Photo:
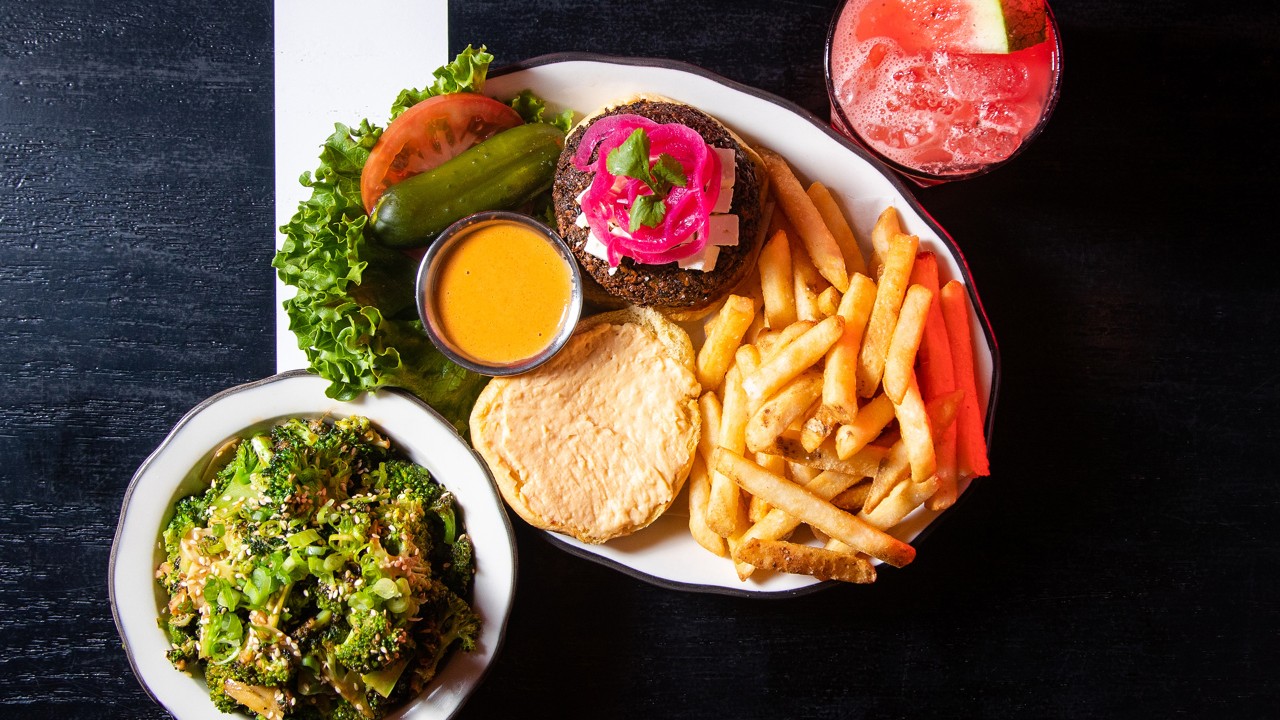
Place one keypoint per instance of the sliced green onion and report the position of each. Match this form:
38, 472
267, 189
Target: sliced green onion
304, 538
385, 588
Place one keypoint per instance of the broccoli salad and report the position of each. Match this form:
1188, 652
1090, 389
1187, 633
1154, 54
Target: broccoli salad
319, 575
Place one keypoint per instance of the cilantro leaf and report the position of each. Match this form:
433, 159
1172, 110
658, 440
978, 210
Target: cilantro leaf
631, 158
668, 172
648, 210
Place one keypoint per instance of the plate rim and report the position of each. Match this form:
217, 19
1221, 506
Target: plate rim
898, 183
271, 379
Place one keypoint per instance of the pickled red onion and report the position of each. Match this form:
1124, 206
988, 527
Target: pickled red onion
609, 199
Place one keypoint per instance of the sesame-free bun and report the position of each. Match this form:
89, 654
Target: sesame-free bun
597, 443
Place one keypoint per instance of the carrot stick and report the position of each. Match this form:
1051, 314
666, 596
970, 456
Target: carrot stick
971, 446
937, 377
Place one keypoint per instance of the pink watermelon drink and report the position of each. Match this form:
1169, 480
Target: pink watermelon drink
942, 89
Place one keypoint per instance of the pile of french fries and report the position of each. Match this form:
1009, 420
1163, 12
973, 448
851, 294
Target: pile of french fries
839, 393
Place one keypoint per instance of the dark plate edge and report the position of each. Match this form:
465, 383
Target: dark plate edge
287, 375
897, 182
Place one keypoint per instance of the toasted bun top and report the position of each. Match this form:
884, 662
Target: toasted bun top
598, 442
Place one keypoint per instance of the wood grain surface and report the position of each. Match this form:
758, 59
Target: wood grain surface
1121, 562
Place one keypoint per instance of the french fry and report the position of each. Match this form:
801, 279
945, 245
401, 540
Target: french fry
776, 282
817, 238
944, 446
699, 493
778, 221
941, 413
790, 557
887, 225
900, 360
746, 359
811, 509
971, 445
904, 498
801, 474
817, 428
892, 471
824, 538
793, 359
785, 337
866, 426
835, 545
808, 284
710, 409
839, 386
917, 435
758, 508
825, 202
765, 341
936, 374
733, 416
862, 463
778, 412
884, 313
724, 508
853, 499
724, 335
829, 302
757, 326
778, 525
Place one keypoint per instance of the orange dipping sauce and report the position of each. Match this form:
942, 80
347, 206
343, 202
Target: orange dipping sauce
501, 293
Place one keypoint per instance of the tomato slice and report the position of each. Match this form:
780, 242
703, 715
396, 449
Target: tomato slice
428, 134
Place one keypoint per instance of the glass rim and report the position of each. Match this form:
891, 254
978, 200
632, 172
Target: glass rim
921, 176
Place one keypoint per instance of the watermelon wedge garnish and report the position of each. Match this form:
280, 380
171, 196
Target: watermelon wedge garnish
969, 26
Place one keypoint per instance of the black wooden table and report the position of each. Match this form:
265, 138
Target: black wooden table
1121, 562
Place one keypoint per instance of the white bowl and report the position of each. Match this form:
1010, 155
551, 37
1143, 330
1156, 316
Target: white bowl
172, 472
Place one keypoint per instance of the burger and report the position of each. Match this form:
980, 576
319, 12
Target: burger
661, 204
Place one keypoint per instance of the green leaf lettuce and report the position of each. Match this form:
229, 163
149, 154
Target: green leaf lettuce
354, 314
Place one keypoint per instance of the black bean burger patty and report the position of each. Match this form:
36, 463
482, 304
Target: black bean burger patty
664, 286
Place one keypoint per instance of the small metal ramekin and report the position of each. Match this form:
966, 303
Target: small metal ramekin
430, 268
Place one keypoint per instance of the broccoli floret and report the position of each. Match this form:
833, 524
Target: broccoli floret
404, 526
184, 645
263, 689
400, 477
443, 508
273, 670
372, 643
234, 483
460, 624
187, 513
215, 676
354, 440
455, 622
343, 710
461, 568
269, 669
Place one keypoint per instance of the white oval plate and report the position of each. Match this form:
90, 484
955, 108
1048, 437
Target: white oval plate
172, 472
664, 553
